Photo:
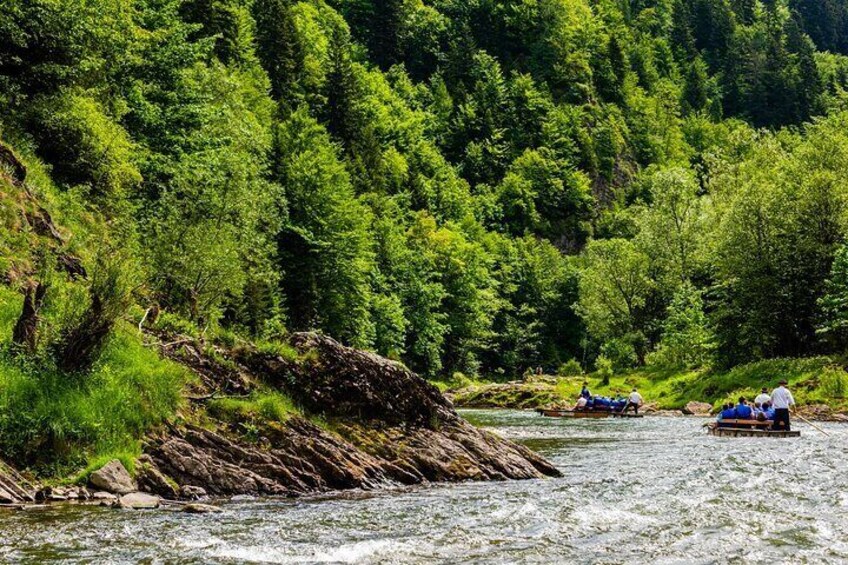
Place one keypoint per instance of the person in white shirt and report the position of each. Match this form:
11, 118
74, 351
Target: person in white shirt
634, 400
581, 403
763, 397
781, 400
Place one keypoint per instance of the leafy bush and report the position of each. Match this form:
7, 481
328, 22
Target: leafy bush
687, 340
55, 423
620, 352
605, 370
570, 368
834, 382
86, 144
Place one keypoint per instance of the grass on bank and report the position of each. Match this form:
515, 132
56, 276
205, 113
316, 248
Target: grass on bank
261, 406
54, 423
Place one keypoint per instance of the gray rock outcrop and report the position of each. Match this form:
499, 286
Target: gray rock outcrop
389, 427
112, 477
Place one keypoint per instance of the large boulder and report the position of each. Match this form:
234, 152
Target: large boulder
697, 408
351, 384
112, 477
152, 480
389, 427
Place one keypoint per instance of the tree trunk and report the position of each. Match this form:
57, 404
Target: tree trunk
25, 333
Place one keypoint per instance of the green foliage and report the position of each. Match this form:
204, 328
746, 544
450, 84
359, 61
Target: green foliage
208, 238
604, 369
83, 338
570, 368
687, 340
833, 325
462, 187
614, 286
324, 246
834, 382
54, 423
620, 353
87, 146
259, 409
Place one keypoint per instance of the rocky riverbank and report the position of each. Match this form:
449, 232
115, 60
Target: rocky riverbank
367, 422
363, 422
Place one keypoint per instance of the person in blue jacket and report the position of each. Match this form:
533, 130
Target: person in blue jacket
727, 412
768, 409
743, 411
584, 392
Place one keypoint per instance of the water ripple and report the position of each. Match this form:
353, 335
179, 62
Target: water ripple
633, 491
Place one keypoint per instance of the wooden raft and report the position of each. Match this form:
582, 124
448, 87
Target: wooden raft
550, 413
747, 428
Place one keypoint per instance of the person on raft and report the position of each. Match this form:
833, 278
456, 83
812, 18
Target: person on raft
743, 411
635, 400
763, 397
727, 412
581, 403
781, 401
584, 392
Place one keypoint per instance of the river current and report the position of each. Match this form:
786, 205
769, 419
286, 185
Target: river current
653, 490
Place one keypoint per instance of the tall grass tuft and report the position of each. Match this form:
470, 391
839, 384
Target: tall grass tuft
54, 423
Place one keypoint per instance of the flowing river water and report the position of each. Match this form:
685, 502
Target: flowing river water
655, 490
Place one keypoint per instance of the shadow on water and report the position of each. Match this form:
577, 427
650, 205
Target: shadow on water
652, 490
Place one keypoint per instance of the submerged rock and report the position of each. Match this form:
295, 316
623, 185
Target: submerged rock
112, 477
387, 427
139, 501
197, 508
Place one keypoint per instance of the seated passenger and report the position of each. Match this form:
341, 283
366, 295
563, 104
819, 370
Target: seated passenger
743, 411
581, 403
769, 411
727, 412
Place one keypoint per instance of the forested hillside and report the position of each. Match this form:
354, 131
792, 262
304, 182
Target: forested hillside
475, 186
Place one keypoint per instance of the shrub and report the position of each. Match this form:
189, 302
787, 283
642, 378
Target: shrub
54, 423
834, 382
620, 352
605, 370
82, 341
570, 368
86, 145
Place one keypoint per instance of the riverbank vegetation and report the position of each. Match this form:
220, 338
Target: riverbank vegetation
814, 381
652, 191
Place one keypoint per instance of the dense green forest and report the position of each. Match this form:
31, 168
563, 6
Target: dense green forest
475, 186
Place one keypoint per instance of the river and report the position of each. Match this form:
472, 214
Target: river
651, 490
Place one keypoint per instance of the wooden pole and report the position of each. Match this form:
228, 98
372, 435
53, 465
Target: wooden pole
803, 419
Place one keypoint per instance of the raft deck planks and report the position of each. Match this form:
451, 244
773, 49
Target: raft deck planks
749, 432
747, 428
